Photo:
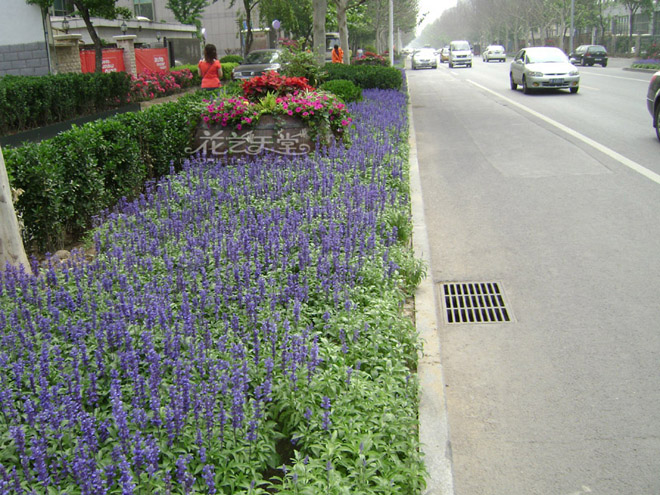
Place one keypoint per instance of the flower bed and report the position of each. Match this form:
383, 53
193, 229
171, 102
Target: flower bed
227, 123
239, 332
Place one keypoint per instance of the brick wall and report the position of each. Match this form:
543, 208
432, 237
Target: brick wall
25, 59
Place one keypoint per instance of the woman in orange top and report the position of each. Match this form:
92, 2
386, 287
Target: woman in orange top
337, 55
210, 68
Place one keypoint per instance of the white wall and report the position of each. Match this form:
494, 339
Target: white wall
20, 23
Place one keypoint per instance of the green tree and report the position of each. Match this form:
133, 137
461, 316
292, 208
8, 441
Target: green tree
248, 7
188, 11
106, 9
295, 17
633, 6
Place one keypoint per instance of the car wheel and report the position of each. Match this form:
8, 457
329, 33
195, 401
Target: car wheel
451, 66
524, 85
574, 90
469, 66
591, 64
514, 86
657, 121
604, 64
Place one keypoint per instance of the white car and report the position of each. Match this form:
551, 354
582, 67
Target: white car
543, 67
494, 52
460, 53
425, 57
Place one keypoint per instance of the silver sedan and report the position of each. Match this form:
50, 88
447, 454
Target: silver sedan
543, 67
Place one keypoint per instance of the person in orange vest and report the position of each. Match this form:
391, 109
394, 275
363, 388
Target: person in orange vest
337, 55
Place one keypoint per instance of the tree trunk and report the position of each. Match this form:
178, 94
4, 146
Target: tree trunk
11, 244
320, 11
342, 22
249, 37
98, 48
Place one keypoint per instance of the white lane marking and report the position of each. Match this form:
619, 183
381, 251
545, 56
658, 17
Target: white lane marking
594, 144
645, 81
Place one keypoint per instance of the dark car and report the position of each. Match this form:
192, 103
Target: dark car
589, 55
653, 101
257, 63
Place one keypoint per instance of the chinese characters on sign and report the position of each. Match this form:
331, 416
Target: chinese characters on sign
225, 141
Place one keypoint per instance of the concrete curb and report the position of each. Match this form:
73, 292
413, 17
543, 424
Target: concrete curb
433, 424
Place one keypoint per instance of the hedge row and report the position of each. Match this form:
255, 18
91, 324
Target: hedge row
27, 102
227, 67
365, 76
69, 179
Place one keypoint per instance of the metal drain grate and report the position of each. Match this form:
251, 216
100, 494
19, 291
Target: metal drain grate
480, 302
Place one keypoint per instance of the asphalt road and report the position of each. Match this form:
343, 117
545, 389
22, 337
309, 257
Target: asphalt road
554, 197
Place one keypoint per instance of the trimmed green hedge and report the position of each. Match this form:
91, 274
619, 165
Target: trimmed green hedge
365, 76
27, 102
346, 90
71, 178
227, 67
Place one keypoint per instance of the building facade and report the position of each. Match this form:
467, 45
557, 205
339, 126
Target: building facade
24, 44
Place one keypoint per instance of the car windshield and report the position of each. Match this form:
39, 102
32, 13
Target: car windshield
496, 48
425, 53
261, 57
549, 56
460, 45
597, 50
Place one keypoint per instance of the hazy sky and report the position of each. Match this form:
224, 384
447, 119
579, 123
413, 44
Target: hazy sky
434, 9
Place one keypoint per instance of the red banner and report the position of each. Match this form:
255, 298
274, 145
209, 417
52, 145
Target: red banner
151, 59
113, 60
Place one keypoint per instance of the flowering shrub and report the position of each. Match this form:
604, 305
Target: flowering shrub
646, 64
321, 110
273, 94
153, 84
236, 320
183, 77
236, 111
274, 83
370, 58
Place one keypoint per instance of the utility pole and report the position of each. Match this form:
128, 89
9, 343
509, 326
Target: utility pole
570, 48
391, 32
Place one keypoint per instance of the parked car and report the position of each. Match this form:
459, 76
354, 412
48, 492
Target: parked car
543, 67
589, 55
460, 53
444, 54
653, 101
257, 63
424, 57
494, 52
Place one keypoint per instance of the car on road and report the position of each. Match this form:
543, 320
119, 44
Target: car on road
653, 101
494, 52
460, 53
589, 55
543, 67
257, 63
444, 54
424, 57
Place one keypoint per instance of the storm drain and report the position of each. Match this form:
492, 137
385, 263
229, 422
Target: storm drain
474, 302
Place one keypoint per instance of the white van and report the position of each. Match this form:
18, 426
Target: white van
460, 53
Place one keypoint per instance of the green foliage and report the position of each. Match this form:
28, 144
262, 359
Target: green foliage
227, 68
27, 102
346, 90
366, 77
301, 63
187, 11
233, 59
71, 178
